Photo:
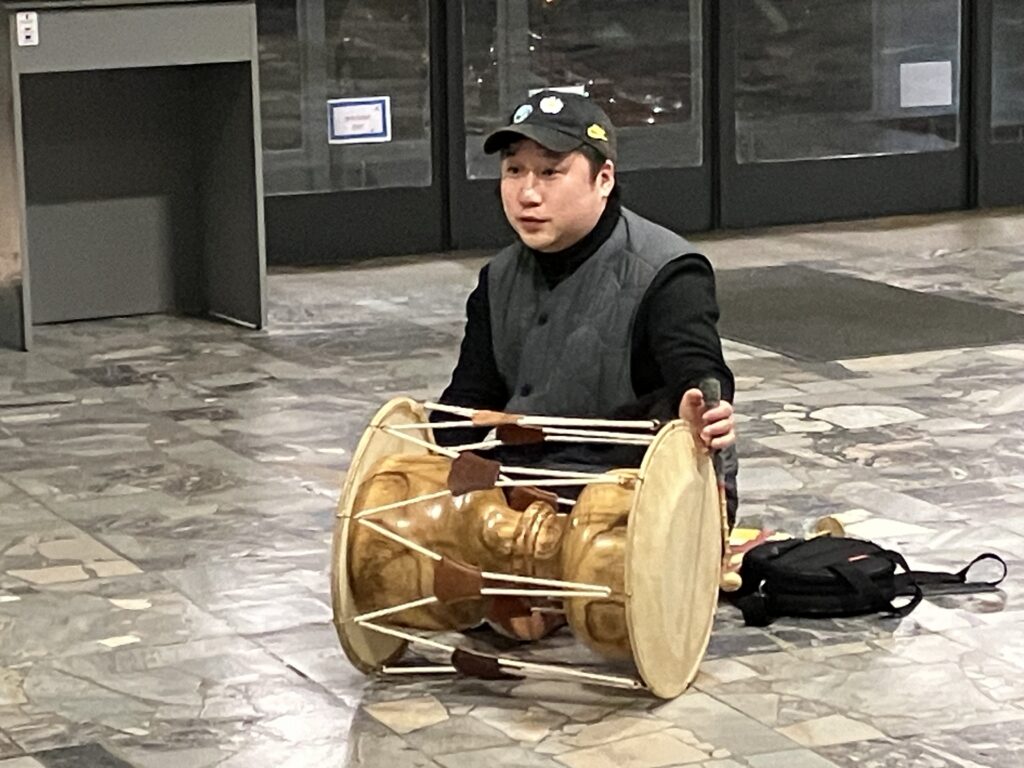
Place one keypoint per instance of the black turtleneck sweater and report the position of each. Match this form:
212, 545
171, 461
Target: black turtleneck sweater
675, 340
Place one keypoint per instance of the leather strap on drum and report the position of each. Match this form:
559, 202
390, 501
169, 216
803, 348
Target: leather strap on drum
520, 497
493, 418
504, 608
513, 434
515, 615
470, 472
473, 664
455, 581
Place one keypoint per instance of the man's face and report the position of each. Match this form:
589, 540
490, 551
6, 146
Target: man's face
550, 198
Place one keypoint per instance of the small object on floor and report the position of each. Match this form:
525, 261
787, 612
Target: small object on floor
741, 541
830, 525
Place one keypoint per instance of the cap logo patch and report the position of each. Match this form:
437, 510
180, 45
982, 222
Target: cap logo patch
595, 131
522, 113
551, 105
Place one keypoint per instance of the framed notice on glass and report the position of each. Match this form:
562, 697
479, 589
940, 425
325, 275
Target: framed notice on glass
926, 84
359, 121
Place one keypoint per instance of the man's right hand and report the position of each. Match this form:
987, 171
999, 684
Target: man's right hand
715, 426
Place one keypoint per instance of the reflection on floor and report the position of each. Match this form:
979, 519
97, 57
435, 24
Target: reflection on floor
167, 489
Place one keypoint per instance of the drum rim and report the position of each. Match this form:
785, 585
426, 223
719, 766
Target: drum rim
674, 443
353, 637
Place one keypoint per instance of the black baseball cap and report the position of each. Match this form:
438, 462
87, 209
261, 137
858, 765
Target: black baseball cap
557, 121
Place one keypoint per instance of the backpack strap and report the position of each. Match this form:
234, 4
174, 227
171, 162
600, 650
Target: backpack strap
863, 585
945, 583
754, 608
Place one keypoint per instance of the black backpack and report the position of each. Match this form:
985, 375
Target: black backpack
828, 577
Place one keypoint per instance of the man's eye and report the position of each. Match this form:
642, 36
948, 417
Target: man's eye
511, 170
549, 172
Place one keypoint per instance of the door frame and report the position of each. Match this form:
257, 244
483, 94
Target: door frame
999, 167
345, 226
835, 188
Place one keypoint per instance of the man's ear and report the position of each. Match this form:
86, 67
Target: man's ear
606, 179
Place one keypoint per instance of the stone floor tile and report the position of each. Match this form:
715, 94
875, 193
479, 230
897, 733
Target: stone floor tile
407, 715
797, 758
529, 726
989, 746
497, 757
652, 750
833, 729
721, 726
457, 734
92, 755
160, 756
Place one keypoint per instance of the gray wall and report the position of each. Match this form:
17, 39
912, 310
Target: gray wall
13, 330
109, 172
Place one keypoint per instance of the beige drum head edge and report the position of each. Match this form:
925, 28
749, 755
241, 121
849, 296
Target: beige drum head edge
368, 650
673, 561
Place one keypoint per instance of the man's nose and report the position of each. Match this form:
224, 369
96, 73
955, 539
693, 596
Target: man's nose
528, 194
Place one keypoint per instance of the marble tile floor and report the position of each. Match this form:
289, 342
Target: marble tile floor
167, 492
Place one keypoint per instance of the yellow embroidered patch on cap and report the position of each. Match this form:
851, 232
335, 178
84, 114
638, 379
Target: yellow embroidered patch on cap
595, 131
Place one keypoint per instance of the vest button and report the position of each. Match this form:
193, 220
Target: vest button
543, 319
525, 390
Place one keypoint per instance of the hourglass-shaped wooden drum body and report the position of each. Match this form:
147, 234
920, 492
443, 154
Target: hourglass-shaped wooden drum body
650, 538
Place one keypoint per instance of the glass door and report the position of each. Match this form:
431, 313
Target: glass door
350, 155
646, 66
840, 109
999, 94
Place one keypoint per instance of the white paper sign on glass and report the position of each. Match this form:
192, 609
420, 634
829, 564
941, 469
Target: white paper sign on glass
926, 84
359, 121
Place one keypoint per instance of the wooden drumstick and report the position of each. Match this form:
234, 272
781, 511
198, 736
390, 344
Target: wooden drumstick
729, 581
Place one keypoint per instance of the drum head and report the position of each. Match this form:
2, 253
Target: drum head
368, 650
673, 561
